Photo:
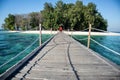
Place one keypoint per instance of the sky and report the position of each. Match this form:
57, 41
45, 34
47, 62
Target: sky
109, 9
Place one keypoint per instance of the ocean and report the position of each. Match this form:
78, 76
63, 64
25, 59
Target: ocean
13, 44
107, 46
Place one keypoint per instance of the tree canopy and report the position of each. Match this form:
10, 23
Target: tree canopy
23, 21
9, 22
71, 16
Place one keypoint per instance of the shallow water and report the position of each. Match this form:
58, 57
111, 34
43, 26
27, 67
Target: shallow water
112, 42
11, 44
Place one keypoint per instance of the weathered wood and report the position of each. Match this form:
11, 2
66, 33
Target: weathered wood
63, 58
89, 35
22, 62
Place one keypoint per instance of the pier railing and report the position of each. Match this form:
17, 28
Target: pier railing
4, 67
105, 47
84, 40
21, 58
96, 41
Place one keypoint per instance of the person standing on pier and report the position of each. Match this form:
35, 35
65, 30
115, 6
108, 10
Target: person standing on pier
60, 28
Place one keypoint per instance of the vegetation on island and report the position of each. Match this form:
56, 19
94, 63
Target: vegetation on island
71, 16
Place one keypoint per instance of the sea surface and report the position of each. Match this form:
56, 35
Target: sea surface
13, 44
112, 52
17, 44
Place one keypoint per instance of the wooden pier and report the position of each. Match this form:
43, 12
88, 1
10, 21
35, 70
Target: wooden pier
63, 58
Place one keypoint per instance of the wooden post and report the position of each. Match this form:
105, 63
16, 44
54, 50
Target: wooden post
88, 44
40, 36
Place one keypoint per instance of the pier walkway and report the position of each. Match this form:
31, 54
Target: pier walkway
63, 58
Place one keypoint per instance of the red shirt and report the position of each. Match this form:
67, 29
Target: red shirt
60, 28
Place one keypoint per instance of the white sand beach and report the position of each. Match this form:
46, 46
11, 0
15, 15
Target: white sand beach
92, 33
69, 32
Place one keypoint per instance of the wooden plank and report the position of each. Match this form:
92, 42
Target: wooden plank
63, 58
22, 62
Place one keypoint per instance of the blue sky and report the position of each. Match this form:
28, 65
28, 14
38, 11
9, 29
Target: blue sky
110, 9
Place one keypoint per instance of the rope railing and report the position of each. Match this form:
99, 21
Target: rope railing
96, 29
96, 41
81, 31
85, 29
100, 30
19, 53
105, 47
81, 39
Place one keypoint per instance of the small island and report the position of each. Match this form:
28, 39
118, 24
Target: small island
72, 16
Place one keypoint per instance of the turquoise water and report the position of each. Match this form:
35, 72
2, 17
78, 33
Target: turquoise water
11, 44
112, 42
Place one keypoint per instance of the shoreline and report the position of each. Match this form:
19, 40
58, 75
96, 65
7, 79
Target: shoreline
92, 33
67, 32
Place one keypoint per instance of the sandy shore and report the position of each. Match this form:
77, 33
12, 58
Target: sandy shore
68, 32
92, 33
43, 32
32, 32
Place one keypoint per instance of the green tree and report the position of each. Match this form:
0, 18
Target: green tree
77, 16
48, 15
9, 22
66, 16
100, 22
90, 14
93, 17
34, 20
72, 16
59, 9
